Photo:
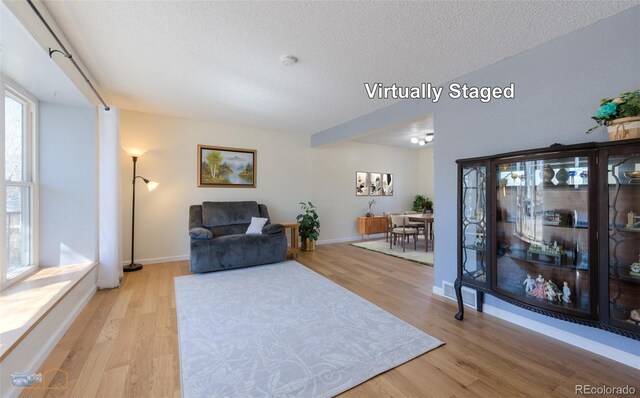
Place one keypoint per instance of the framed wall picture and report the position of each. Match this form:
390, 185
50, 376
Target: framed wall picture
387, 184
362, 186
375, 184
220, 167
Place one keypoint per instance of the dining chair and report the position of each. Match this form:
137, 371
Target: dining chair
389, 224
414, 224
400, 228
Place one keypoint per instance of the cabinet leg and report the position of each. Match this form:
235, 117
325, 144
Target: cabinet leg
458, 286
479, 300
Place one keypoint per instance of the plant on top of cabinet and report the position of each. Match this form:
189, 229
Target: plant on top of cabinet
621, 116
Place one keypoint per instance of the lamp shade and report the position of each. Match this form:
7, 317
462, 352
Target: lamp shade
151, 185
134, 151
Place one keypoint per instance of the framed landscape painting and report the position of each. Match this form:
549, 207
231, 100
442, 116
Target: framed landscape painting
220, 167
361, 184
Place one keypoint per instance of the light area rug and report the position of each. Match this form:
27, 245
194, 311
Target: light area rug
282, 330
382, 246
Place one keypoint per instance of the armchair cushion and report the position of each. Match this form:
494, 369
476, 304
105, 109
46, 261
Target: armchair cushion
238, 229
264, 212
218, 214
272, 229
195, 216
236, 251
404, 231
200, 233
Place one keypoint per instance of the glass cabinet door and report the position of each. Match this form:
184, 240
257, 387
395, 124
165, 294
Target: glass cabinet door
623, 180
474, 224
542, 233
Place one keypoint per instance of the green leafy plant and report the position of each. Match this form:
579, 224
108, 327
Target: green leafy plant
428, 204
309, 222
627, 105
420, 202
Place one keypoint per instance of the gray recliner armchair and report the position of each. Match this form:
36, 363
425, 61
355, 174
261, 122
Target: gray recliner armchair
219, 240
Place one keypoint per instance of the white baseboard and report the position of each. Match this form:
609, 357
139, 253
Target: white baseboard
158, 260
57, 334
558, 334
34, 349
566, 337
348, 239
439, 291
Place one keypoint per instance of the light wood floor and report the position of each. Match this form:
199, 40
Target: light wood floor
124, 343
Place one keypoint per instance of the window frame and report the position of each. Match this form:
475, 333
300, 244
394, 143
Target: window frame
29, 179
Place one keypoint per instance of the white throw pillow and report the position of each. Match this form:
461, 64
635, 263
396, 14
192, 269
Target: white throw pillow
256, 225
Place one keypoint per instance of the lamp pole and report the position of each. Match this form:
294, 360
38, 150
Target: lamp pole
133, 266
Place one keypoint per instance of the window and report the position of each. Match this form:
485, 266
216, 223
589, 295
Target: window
20, 196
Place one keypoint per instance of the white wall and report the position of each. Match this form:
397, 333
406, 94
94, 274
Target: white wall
288, 172
68, 184
427, 172
334, 170
283, 178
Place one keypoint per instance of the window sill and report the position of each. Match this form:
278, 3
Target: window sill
25, 303
17, 277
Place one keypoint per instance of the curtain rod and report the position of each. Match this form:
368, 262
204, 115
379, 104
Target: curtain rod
66, 53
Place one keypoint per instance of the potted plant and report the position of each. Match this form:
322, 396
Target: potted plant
428, 205
371, 203
309, 226
621, 116
422, 204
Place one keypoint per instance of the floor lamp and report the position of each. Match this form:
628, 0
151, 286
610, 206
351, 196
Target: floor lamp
151, 185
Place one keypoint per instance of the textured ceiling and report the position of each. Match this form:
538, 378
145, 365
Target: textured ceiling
221, 60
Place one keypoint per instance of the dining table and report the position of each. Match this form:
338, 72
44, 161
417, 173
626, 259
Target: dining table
428, 226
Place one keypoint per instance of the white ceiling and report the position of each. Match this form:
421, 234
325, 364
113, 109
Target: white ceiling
221, 60
400, 135
27, 64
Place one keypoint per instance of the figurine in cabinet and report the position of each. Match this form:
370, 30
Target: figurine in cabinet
551, 294
556, 290
529, 284
539, 290
566, 292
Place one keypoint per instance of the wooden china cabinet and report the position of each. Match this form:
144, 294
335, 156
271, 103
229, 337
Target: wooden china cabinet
556, 231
